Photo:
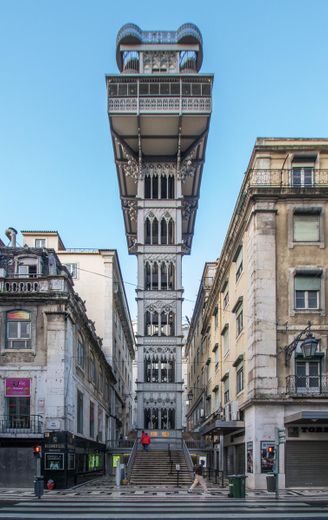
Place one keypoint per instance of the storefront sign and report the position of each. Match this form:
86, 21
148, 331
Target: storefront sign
17, 387
250, 457
116, 460
165, 434
54, 461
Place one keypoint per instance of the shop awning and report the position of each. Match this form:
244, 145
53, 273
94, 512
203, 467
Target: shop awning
222, 427
317, 416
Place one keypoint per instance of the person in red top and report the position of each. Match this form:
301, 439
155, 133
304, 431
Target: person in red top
145, 440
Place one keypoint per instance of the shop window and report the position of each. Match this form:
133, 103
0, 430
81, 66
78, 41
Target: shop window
307, 291
18, 329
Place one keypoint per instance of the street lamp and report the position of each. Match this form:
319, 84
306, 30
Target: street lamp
308, 345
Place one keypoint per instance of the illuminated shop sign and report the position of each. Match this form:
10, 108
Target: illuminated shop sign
18, 387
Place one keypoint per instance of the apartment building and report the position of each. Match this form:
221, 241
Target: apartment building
265, 321
97, 278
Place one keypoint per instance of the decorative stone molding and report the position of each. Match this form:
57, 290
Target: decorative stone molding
160, 353
159, 399
159, 258
188, 208
159, 169
131, 167
130, 207
187, 167
160, 306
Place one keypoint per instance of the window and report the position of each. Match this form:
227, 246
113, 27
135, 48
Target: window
72, 269
307, 291
306, 226
18, 329
226, 299
92, 419
27, 270
80, 354
79, 414
302, 173
151, 230
226, 390
40, 242
92, 368
216, 320
159, 186
239, 320
225, 337
240, 379
238, 259
307, 377
18, 412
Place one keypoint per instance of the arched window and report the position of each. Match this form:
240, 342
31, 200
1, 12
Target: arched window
155, 276
151, 323
171, 277
164, 276
159, 186
171, 232
167, 371
167, 323
147, 276
151, 230
164, 231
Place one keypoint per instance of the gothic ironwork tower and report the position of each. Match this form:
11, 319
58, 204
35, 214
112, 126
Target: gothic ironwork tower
159, 110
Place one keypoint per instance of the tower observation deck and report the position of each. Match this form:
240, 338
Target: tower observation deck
159, 108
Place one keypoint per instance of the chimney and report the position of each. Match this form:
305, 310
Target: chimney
11, 233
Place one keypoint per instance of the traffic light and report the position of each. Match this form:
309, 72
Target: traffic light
270, 450
37, 450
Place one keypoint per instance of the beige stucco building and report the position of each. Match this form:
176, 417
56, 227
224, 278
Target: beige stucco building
98, 280
270, 281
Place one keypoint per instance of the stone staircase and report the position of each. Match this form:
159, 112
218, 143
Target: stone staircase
152, 468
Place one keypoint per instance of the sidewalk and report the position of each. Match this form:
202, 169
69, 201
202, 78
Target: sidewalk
104, 487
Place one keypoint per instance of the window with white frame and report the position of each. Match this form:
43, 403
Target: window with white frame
302, 174
72, 269
18, 329
40, 242
306, 225
240, 378
307, 290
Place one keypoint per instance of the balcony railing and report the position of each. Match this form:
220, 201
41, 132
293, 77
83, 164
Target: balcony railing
119, 443
291, 178
307, 385
160, 104
21, 424
26, 284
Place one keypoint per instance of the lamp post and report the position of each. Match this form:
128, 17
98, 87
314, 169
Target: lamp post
308, 344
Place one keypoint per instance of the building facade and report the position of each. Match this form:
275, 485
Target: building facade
159, 108
57, 386
269, 284
97, 278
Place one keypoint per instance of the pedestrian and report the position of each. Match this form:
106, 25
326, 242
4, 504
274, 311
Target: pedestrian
199, 479
145, 440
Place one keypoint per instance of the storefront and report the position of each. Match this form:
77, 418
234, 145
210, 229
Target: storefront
306, 450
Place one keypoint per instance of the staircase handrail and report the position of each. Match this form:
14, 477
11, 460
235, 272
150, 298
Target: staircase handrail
132, 458
187, 456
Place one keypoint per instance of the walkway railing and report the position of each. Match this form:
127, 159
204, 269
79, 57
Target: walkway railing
187, 456
132, 459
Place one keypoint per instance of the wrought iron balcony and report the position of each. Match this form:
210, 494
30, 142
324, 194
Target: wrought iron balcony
307, 385
296, 178
21, 424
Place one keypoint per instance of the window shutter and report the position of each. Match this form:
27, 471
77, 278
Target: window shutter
307, 283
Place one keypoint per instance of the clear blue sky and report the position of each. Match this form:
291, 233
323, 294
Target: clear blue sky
269, 58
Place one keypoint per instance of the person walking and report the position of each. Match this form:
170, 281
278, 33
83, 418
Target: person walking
199, 479
145, 440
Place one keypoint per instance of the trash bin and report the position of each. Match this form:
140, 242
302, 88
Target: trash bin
38, 486
271, 483
237, 486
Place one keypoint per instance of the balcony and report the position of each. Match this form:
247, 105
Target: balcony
36, 284
307, 386
21, 425
287, 178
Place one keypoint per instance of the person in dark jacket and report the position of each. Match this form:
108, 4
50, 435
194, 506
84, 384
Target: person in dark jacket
199, 479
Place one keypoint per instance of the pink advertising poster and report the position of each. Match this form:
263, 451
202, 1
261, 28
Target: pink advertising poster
17, 387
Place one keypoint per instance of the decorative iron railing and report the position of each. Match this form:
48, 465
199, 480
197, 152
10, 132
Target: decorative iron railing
293, 178
119, 443
21, 424
160, 104
307, 385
